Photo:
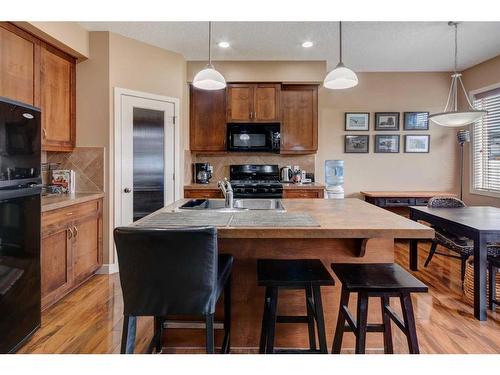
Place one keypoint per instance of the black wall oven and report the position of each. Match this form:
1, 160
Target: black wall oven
20, 212
253, 137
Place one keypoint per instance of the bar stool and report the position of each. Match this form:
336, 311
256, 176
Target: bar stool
493, 266
382, 280
307, 274
172, 272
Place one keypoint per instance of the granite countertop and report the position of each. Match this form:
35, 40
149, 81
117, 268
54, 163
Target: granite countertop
286, 186
55, 201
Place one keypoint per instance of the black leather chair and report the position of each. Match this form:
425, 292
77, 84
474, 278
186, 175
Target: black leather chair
167, 272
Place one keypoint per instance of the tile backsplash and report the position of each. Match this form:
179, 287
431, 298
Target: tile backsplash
222, 162
87, 162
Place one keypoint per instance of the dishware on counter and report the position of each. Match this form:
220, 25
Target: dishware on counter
296, 176
202, 173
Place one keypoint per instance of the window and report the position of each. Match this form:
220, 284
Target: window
486, 144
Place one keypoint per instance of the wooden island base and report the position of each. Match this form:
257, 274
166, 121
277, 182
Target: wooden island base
248, 298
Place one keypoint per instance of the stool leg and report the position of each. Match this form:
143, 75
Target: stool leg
362, 323
209, 319
158, 327
271, 319
386, 320
128, 334
310, 317
339, 330
320, 320
263, 330
226, 344
491, 275
409, 319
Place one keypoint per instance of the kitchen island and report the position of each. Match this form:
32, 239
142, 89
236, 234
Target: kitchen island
347, 230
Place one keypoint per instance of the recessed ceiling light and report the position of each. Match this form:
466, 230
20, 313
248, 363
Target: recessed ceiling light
224, 44
307, 44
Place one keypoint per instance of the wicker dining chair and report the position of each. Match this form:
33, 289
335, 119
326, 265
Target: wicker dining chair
463, 246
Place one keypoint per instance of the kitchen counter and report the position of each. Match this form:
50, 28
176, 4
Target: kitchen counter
56, 201
286, 185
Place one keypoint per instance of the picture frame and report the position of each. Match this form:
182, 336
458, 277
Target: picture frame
417, 144
387, 144
357, 121
416, 121
386, 121
356, 144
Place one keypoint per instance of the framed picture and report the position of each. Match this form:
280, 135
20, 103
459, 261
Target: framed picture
356, 144
357, 121
387, 144
387, 121
417, 143
416, 121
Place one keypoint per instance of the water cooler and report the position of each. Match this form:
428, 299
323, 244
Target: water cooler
334, 179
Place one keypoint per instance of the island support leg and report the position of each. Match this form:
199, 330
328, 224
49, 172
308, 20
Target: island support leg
480, 277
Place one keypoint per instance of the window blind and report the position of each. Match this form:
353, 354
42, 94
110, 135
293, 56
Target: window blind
486, 143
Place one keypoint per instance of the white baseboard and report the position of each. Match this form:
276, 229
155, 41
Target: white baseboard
108, 269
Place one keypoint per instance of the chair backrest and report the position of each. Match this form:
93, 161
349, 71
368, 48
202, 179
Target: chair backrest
167, 271
445, 202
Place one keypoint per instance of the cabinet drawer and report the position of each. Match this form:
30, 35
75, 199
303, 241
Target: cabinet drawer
70, 213
303, 193
203, 193
421, 201
399, 202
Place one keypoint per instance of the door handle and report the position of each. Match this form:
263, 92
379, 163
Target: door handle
70, 233
127, 190
76, 232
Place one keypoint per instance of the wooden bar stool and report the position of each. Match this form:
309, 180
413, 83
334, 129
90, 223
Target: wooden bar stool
307, 274
382, 280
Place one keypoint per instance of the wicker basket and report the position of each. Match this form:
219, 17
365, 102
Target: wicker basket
469, 283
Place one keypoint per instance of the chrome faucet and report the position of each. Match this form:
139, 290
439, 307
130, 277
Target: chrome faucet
227, 190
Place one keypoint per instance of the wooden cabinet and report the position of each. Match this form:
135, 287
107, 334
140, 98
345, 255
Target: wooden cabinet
71, 248
34, 72
207, 122
299, 119
202, 193
253, 102
57, 100
303, 193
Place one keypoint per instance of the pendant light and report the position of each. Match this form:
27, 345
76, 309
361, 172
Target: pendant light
451, 116
209, 78
340, 77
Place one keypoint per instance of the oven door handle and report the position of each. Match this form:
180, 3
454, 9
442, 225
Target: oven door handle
19, 193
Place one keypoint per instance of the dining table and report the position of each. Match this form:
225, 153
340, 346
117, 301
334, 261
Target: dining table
479, 223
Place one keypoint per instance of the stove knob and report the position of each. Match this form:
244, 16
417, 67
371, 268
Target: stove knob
265, 190
254, 190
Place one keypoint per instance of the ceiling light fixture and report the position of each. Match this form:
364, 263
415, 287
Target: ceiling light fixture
307, 44
340, 77
209, 78
224, 45
451, 116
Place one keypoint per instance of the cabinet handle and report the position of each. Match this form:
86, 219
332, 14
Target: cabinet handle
44, 133
76, 231
251, 114
70, 233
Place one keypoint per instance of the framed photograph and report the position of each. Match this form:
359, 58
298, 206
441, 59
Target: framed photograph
387, 144
356, 144
416, 121
387, 121
357, 121
417, 143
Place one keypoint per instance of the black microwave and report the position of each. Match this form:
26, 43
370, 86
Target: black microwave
253, 137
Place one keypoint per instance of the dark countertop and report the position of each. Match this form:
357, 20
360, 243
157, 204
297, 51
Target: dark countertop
56, 201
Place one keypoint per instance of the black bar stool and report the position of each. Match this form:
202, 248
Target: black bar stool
382, 280
493, 266
307, 274
172, 272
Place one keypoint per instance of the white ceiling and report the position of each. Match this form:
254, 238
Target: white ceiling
368, 46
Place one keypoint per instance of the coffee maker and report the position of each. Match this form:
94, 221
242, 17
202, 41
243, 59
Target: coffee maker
202, 173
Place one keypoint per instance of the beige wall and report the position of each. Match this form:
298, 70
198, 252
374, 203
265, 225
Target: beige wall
478, 77
376, 92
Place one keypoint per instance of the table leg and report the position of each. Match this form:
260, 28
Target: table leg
480, 265
414, 255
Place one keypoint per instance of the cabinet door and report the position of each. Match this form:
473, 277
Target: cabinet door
267, 102
57, 100
299, 119
207, 120
86, 248
240, 99
305, 193
56, 276
17, 65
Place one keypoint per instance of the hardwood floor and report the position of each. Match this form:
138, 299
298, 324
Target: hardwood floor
89, 320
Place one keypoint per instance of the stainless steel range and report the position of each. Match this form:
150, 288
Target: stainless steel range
256, 181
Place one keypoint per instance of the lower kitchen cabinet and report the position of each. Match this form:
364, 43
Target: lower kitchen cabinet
202, 193
71, 248
193, 192
303, 193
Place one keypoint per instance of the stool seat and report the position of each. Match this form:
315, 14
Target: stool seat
292, 273
377, 277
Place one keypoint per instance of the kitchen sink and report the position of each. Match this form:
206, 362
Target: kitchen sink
238, 205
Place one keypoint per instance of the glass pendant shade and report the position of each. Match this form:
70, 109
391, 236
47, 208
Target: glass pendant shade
209, 79
457, 119
340, 78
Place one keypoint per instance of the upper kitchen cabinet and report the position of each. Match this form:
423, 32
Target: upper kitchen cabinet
19, 53
57, 99
299, 119
207, 120
253, 102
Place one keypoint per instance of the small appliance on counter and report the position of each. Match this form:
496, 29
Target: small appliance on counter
202, 173
286, 174
334, 179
